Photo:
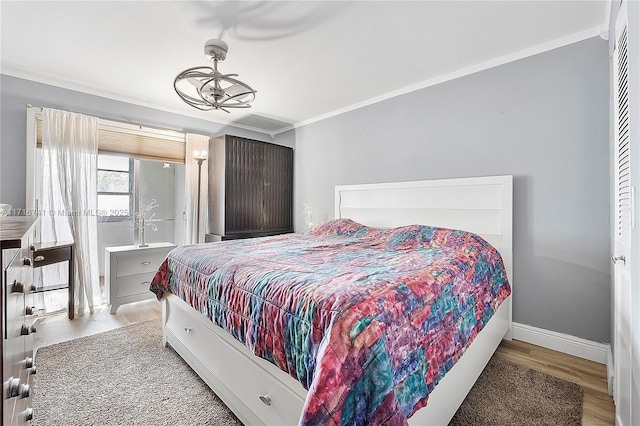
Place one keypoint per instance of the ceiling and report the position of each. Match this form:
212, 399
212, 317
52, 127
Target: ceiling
307, 60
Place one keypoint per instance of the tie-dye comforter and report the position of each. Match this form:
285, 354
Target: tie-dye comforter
368, 320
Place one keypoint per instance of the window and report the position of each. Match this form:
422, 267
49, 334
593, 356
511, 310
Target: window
115, 187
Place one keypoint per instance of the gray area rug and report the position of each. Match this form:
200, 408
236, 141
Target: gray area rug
510, 394
122, 377
126, 377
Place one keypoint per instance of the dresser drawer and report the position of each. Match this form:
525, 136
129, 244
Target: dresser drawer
139, 261
134, 284
19, 277
19, 272
51, 255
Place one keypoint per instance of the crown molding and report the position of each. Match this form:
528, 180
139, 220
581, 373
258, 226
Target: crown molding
502, 60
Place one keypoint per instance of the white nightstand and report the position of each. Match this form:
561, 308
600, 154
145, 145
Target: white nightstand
129, 271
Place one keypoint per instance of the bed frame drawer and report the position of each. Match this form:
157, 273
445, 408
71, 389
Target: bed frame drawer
222, 362
193, 333
270, 400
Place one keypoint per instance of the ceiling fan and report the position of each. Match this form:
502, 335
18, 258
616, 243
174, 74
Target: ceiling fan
206, 89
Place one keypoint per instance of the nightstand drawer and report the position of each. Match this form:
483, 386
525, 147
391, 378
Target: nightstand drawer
134, 284
139, 262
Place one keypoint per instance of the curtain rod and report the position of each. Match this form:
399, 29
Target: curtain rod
140, 126
130, 123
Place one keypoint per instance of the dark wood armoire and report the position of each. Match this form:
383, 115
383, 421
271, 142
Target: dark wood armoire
250, 188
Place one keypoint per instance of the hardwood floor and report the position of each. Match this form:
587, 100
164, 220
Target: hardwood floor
56, 328
598, 408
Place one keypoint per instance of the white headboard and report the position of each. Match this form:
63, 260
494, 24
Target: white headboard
482, 205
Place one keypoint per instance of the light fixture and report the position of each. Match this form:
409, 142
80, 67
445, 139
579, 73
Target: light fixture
200, 156
206, 88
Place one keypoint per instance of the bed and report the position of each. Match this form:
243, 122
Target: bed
353, 376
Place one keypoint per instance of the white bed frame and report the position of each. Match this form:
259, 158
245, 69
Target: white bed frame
259, 393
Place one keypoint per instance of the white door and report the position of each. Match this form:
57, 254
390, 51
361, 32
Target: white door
623, 215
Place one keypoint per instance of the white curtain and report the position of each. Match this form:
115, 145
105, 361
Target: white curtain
196, 144
69, 195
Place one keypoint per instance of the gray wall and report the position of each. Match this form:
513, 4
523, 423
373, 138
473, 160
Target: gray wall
16, 93
544, 120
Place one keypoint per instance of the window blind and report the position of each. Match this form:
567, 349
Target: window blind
135, 141
622, 146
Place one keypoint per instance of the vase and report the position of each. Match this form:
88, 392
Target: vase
141, 239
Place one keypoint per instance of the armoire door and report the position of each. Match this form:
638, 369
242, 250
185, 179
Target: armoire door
277, 188
244, 184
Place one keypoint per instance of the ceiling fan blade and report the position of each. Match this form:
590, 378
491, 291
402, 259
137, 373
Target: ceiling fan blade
237, 89
194, 81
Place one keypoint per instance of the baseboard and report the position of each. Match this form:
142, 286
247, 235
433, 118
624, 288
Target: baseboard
564, 343
610, 372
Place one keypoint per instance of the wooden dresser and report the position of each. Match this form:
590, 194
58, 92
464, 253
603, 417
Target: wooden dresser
16, 239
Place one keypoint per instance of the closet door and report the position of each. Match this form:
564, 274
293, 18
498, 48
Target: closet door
624, 223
